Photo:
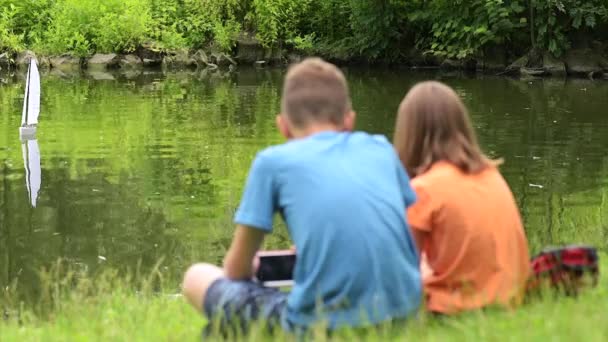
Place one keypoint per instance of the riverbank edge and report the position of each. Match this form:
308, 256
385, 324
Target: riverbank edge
588, 62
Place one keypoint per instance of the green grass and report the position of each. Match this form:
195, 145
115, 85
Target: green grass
114, 308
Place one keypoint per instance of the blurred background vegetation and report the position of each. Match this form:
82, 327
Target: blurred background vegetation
368, 30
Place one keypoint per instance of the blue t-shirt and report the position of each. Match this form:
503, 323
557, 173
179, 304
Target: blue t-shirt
343, 197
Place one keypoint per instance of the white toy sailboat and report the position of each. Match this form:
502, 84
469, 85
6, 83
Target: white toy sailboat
31, 102
27, 132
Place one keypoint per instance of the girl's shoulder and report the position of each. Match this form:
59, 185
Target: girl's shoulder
440, 171
447, 176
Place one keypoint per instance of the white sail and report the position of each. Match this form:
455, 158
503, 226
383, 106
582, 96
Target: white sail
31, 159
34, 94
26, 96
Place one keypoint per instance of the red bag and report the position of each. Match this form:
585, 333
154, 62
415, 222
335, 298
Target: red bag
568, 269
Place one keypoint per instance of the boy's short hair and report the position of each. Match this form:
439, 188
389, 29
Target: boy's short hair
315, 91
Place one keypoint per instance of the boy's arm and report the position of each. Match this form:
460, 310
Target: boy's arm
409, 196
239, 259
253, 218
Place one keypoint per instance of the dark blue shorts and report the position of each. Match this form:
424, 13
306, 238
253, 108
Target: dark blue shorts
232, 305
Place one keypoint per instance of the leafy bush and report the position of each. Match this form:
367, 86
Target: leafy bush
84, 26
332, 33
225, 34
9, 39
552, 20
25, 20
459, 29
169, 21
370, 29
377, 27
361, 29
195, 23
303, 43
226, 17
279, 21
123, 26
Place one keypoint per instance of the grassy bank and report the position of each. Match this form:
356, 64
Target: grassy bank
110, 309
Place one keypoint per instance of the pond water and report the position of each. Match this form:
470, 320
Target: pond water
135, 168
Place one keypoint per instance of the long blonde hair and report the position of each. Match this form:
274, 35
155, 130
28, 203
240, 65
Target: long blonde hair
433, 125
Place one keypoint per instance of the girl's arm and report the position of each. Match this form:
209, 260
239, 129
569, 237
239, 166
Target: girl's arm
419, 238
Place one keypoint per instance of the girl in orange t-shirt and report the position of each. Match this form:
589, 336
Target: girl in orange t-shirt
465, 222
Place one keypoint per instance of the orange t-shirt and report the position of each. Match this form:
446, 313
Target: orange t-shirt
476, 245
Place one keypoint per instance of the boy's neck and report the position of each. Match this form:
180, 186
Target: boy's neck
315, 128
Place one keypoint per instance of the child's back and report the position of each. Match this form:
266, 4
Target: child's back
476, 246
465, 219
342, 196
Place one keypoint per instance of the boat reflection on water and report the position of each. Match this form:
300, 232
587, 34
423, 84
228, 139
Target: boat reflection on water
31, 160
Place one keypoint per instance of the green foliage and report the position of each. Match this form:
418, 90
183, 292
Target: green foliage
226, 17
173, 19
73, 23
377, 26
279, 21
225, 34
304, 44
23, 23
34, 19
194, 23
372, 29
9, 39
459, 29
123, 25
84, 26
554, 19
361, 29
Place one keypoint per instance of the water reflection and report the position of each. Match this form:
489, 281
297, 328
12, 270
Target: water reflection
148, 165
31, 160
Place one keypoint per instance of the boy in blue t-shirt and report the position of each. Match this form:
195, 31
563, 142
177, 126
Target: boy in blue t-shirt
343, 197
